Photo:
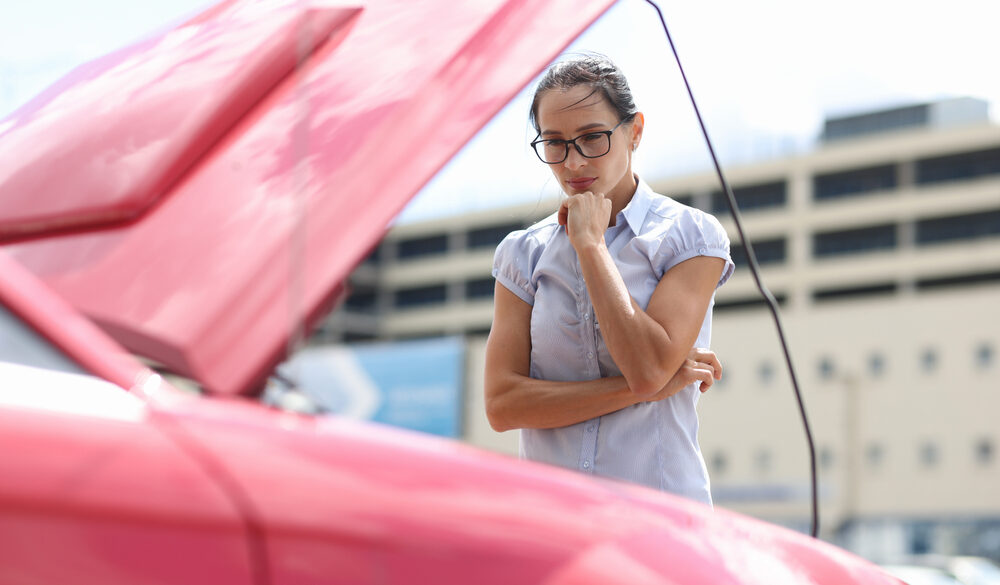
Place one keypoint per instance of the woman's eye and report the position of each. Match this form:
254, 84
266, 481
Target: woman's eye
597, 136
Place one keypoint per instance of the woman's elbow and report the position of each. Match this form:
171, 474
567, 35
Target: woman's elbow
648, 382
495, 414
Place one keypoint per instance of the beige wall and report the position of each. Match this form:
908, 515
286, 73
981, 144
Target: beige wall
477, 428
951, 407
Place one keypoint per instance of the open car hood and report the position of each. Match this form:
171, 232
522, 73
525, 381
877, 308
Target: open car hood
203, 195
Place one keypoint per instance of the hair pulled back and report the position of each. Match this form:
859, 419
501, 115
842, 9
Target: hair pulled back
593, 70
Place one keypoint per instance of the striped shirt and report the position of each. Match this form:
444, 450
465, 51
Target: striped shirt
651, 443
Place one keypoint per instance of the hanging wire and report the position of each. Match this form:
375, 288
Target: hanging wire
755, 271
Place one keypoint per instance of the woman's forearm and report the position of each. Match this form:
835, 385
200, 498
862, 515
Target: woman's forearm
640, 346
516, 401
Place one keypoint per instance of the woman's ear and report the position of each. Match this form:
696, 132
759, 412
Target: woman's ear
637, 124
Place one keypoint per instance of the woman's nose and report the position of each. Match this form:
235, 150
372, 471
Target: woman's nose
574, 159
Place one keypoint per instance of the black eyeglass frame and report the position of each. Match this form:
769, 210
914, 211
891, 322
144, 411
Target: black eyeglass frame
566, 143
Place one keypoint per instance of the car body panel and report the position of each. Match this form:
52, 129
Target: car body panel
101, 494
74, 335
418, 508
125, 127
291, 198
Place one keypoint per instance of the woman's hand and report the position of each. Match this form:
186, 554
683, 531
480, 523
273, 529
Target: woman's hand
586, 217
701, 365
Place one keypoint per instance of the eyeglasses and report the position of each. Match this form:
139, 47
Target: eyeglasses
589, 145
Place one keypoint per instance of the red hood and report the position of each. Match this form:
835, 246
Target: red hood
203, 200
434, 503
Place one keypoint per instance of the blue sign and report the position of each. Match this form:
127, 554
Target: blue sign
416, 385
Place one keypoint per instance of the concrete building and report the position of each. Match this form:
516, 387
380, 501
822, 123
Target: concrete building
882, 247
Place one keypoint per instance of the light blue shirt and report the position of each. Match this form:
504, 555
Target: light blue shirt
651, 443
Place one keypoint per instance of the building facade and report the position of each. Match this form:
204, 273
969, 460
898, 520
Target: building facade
882, 249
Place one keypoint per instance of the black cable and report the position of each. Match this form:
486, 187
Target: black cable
755, 271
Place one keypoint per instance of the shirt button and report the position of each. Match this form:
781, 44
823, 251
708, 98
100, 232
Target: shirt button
590, 428
702, 250
586, 316
586, 464
590, 355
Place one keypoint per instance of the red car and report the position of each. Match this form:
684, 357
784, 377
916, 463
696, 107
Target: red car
198, 200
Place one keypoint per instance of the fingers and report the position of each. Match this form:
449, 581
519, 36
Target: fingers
708, 358
586, 217
701, 373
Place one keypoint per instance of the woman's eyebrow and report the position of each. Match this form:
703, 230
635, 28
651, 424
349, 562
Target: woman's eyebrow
591, 126
580, 129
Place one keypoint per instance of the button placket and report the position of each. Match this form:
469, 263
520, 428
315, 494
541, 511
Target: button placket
589, 447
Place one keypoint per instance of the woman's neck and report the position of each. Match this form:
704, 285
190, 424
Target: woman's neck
620, 201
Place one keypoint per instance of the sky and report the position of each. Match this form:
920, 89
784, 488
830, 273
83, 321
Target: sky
765, 74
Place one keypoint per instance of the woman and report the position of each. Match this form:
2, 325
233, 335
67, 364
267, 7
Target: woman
598, 307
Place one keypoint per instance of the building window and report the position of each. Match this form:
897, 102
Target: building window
854, 292
854, 182
874, 455
984, 355
870, 123
420, 296
929, 455
826, 368
373, 258
358, 337
481, 288
478, 331
921, 538
425, 246
762, 460
684, 199
749, 303
766, 373
760, 196
417, 335
727, 376
958, 280
825, 457
966, 165
929, 360
876, 364
984, 451
968, 226
766, 251
869, 239
362, 301
490, 237
720, 463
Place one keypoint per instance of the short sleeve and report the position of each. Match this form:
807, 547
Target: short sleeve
694, 233
514, 263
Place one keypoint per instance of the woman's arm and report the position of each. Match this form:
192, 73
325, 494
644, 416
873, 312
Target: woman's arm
647, 346
515, 400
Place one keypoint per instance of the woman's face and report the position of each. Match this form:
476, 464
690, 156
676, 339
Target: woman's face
566, 114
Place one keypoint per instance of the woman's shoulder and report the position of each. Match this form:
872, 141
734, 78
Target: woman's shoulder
536, 235
676, 216
518, 254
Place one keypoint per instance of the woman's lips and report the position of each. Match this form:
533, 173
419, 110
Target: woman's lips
581, 183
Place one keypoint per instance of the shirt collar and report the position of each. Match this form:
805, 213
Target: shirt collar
634, 213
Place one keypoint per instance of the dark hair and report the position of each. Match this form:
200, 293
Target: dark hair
593, 70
